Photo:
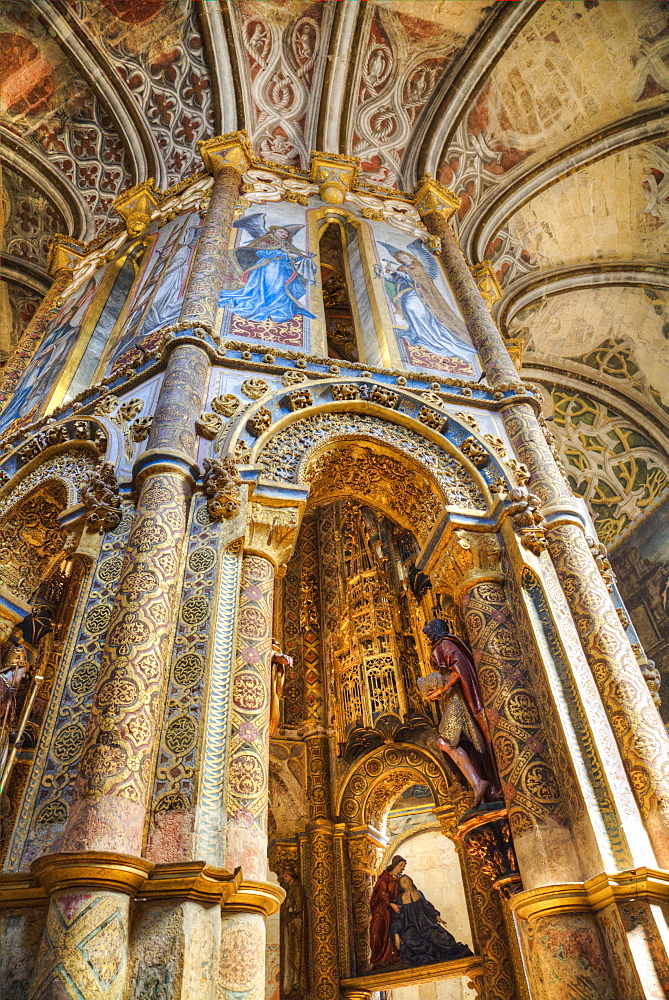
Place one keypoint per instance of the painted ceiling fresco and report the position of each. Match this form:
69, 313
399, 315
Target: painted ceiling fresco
549, 120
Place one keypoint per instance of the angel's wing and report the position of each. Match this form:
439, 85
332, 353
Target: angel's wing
425, 257
253, 224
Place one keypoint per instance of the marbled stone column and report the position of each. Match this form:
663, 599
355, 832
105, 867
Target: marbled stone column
641, 737
248, 759
112, 789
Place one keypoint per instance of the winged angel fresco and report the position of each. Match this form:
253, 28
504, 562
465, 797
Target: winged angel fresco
271, 274
428, 319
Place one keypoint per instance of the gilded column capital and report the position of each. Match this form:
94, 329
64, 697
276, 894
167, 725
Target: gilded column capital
463, 559
136, 206
61, 260
335, 175
430, 196
486, 279
255, 897
230, 150
271, 531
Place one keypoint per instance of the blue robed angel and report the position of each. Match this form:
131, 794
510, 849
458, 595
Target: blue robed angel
430, 321
272, 273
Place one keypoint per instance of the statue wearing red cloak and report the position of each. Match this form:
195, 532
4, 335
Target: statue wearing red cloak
383, 908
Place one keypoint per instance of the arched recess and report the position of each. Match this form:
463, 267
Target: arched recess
278, 435
368, 792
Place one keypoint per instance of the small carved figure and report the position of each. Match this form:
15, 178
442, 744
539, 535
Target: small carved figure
101, 495
220, 485
293, 927
454, 684
384, 908
280, 663
419, 934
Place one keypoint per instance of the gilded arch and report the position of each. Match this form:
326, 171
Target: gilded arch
375, 781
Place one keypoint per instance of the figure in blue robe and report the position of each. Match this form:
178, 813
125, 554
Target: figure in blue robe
430, 321
272, 273
419, 933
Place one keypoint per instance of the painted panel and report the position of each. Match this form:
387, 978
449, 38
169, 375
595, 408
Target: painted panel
157, 298
49, 360
431, 334
271, 275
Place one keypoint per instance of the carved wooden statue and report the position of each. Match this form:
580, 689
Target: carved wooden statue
463, 727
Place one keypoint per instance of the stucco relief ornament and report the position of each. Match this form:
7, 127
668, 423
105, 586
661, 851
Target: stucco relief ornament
474, 451
254, 388
100, 494
226, 405
260, 421
220, 485
208, 425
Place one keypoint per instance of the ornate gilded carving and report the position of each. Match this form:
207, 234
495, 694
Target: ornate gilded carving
474, 451
220, 484
254, 388
468, 557
350, 391
398, 487
208, 425
285, 456
300, 400
260, 421
384, 397
100, 494
293, 378
486, 279
523, 508
335, 174
489, 842
226, 405
431, 419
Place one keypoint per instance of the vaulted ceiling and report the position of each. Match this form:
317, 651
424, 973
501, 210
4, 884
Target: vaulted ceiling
548, 119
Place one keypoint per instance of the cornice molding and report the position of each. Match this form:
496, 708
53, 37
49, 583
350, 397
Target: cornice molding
648, 884
103, 78
530, 178
106, 871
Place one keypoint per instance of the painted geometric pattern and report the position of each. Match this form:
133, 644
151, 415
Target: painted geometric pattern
177, 763
47, 797
83, 952
247, 776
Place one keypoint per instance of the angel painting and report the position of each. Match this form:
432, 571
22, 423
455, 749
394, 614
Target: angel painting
271, 273
429, 320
